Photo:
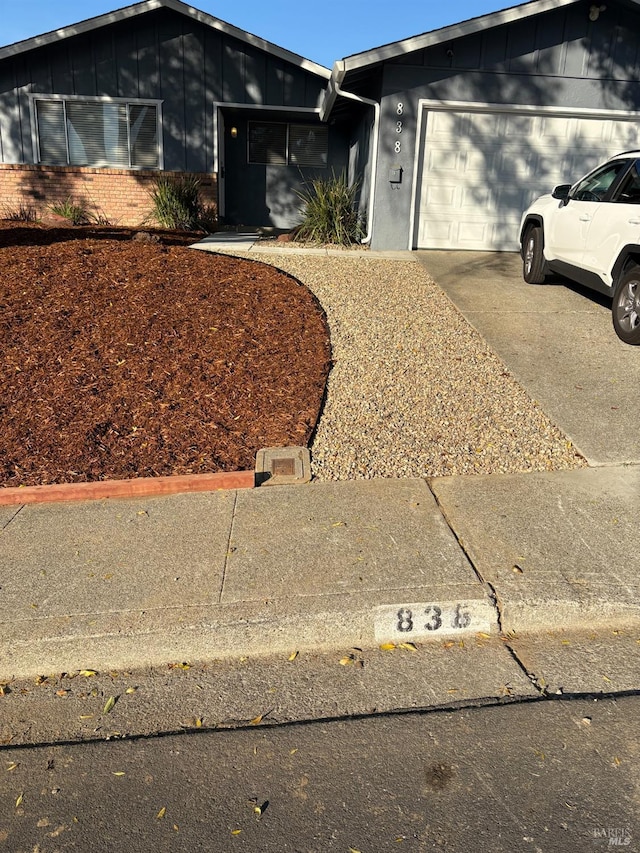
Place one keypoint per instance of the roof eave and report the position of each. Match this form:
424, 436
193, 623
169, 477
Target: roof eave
149, 5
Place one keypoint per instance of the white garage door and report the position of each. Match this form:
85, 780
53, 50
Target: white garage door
480, 170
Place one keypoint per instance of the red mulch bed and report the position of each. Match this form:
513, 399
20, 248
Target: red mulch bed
126, 358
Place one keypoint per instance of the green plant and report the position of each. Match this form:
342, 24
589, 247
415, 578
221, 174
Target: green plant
176, 202
330, 214
22, 213
75, 212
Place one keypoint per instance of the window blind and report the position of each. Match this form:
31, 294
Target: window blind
97, 133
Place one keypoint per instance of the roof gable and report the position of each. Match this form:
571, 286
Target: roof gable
445, 34
176, 5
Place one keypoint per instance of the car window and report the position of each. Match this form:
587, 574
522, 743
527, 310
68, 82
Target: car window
596, 185
629, 192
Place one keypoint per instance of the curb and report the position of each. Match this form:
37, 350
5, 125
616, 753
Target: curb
140, 487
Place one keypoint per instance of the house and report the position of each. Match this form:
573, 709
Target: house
450, 134
95, 110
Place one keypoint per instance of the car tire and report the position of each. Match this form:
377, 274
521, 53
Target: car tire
534, 267
626, 307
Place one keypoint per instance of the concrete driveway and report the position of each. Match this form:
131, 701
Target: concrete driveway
558, 341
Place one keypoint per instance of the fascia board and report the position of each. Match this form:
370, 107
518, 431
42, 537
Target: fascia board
79, 28
455, 31
148, 5
242, 35
331, 92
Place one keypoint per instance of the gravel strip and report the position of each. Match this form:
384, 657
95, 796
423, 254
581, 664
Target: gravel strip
415, 391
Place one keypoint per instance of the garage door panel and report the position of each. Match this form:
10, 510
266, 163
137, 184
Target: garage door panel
441, 195
443, 160
481, 199
437, 232
480, 170
551, 131
519, 126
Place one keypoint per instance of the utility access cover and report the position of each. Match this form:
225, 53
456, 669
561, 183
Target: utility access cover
280, 466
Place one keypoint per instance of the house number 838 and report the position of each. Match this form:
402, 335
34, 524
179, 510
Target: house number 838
460, 618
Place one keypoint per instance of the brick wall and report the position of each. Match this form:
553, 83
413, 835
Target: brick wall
117, 195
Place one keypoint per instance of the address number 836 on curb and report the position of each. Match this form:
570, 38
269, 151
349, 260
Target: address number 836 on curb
432, 620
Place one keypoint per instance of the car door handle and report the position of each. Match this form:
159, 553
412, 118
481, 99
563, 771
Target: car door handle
634, 222
585, 218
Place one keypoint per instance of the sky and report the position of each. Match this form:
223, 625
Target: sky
320, 30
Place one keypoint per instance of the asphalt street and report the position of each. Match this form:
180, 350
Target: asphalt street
540, 777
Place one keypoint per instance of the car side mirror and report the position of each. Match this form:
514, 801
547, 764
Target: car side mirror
561, 192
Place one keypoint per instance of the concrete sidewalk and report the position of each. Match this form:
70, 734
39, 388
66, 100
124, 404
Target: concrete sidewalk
326, 566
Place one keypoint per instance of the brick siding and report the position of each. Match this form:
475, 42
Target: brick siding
118, 196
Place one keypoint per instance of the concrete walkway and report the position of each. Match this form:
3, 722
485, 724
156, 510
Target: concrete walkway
331, 566
233, 241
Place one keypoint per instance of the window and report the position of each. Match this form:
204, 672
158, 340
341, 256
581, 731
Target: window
596, 185
629, 192
274, 143
268, 143
96, 132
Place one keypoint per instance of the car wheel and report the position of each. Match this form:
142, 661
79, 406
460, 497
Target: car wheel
626, 307
534, 267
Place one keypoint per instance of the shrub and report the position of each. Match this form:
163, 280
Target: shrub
75, 212
176, 203
329, 212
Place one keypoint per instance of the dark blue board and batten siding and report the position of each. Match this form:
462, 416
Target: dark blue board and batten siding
159, 55
555, 59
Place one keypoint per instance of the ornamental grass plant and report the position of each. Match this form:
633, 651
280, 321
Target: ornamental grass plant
330, 213
177, 204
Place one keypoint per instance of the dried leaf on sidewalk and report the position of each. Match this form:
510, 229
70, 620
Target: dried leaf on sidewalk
88, 673
293, 656
387, 647
161, 813
408, 647
109, 705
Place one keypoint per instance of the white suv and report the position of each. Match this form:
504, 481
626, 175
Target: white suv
590, 233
